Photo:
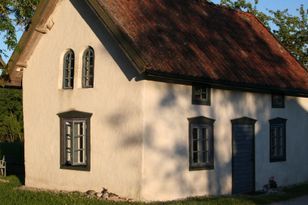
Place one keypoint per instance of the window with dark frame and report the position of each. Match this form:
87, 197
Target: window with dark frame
68, 69
75, 140
277, 140
278, 101
88, 68
201, 143
201, 95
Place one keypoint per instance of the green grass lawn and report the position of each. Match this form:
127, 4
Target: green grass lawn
10, 194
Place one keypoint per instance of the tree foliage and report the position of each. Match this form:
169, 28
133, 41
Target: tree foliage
290, 30
247, 7
11, 118
15, 14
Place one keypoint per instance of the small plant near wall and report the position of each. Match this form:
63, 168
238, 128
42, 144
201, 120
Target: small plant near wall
272, 183
272, 186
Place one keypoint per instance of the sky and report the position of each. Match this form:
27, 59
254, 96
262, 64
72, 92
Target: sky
263, 5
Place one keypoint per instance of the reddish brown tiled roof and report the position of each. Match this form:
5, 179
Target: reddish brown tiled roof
199, 40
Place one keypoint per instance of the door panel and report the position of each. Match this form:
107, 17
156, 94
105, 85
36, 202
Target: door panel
243, 160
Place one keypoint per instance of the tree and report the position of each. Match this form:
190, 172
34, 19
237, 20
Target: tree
247, 7
15, 14
11, 118
291, 31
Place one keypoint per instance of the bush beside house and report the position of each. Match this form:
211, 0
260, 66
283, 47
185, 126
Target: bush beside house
11, 124
11, 130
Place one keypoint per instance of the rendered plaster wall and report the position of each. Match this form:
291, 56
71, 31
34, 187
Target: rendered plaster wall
165, 167
115, 101
139, 129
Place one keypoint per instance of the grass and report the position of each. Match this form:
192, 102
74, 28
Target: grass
10, 195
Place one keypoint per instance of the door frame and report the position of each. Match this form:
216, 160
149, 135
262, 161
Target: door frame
249, 121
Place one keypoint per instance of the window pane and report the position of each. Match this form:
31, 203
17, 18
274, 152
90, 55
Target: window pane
68, 69
68, 137
79, 142
81, 156
68, 156
204, 94
75, 157
88, 68
198, 93
71, 74
195, 133
201, 95
280, 131
80, 128
91, 81
207, 157
202, 157
278, 101
280, 151
195, 157
277, 144
201, 144
195, 145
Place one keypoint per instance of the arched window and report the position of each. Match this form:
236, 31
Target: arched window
88, 68
68, 70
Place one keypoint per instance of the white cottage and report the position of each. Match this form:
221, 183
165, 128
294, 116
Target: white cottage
159, 100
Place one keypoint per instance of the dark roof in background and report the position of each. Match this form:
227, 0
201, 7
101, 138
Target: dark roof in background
2, 64
4, 79
200, 41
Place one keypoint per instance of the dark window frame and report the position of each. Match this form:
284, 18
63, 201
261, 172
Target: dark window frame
76, 116
279, 123
201, 122
88, 62
200, 100
274, 102
68, 70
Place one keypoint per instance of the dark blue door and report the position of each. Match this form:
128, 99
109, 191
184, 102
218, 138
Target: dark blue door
243, 156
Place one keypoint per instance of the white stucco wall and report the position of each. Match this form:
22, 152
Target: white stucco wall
165, 170
115, 101
139, 129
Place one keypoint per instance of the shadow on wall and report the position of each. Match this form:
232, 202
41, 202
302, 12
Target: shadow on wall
166, 139
170, 111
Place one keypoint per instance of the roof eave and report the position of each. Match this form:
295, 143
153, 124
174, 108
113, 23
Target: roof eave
190, 80
29, 40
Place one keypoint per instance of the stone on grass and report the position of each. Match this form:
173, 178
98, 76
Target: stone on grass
91, 192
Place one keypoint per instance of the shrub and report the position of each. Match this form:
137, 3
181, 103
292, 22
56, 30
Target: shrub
11, 119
